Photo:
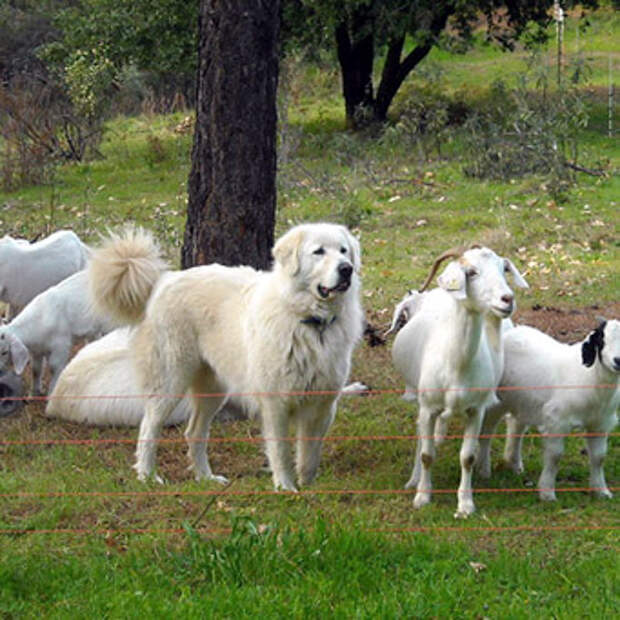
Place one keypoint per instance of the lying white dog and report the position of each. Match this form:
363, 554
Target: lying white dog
99, 386
265, 338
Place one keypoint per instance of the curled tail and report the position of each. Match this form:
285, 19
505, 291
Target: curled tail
122, 273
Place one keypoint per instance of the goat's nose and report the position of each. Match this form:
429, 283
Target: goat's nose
508, 299
345, 270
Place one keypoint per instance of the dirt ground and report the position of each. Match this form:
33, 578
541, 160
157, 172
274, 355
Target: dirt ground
567, 324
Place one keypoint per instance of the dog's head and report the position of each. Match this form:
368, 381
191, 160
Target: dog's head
604, 343
322, 258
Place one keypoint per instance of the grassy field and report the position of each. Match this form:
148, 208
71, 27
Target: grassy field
80, 536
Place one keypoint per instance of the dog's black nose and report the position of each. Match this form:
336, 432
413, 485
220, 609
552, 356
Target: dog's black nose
345, 270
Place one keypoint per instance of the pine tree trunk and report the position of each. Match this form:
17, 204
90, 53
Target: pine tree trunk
231, 187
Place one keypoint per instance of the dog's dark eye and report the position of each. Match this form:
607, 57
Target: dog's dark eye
319, 251
343, 250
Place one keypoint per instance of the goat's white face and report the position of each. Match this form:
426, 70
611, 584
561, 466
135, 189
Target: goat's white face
610, 352
321, 258
479, 277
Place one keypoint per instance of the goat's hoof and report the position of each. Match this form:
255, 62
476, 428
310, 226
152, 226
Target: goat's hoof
421, 499
464, 509
214, 477
286, 486
547, 496
603, 494
484, 471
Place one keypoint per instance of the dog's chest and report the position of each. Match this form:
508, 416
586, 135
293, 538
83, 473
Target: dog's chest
315, 359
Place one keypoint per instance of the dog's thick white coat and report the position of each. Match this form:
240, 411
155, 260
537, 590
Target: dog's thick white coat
265, 337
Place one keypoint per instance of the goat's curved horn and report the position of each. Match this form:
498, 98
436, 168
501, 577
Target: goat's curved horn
456, 252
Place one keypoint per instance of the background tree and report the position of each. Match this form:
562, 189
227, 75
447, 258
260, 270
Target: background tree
231, 188
404, 33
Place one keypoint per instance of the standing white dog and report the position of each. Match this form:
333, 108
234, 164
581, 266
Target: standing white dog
264, 337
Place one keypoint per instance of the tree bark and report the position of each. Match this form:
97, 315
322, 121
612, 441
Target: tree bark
356, 52
231, 186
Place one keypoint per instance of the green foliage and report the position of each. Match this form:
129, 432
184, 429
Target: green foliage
533, 129
157, 36
88, 76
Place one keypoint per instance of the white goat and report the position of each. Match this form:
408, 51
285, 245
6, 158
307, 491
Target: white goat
572, 386
97, 386
27, 269
47, 328
450, 354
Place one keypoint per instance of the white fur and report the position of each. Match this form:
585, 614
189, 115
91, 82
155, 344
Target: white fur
97, 386
534, 359
27, 269
47, 328
243, 333
452, 343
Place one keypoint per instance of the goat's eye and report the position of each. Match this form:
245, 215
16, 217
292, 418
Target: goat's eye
343, 250
471, 272
319, 251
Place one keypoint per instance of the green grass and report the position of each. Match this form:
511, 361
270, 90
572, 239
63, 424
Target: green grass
348, 554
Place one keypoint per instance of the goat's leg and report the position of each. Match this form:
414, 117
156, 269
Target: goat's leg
491, 419
417, 464
275, 422
597, 449
57, 362
514, 443
36, 364
312, 425
426, 441
554, 448
465, 496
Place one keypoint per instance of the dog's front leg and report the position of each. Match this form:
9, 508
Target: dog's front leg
275, 421
312, 425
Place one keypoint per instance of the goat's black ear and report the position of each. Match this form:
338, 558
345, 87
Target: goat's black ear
593, 346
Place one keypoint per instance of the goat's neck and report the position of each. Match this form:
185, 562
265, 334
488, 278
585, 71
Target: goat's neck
470, 325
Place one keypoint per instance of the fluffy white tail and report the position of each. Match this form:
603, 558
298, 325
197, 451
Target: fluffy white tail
122, 273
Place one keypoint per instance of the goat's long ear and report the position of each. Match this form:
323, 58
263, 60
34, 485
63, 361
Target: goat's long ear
593, 346
19, 353
453, 280
518, 278
286, 251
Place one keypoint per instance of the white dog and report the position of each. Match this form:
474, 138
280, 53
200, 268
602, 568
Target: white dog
266, 338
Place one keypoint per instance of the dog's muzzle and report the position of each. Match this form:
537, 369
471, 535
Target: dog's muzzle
345, 271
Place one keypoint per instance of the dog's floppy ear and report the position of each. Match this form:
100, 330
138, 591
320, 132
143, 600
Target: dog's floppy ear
286, 251
593, 345
518, 278
356, 250
453, 280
